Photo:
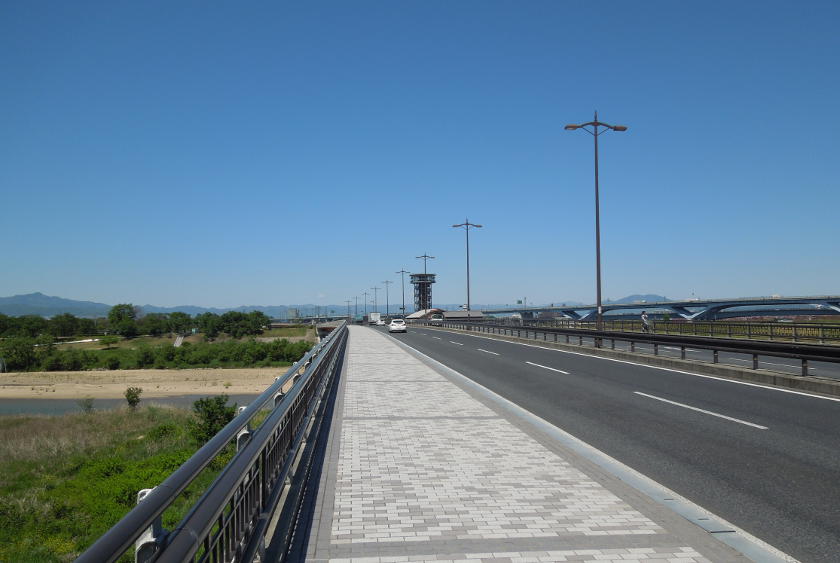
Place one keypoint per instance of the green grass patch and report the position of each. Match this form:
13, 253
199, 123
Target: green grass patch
66, 480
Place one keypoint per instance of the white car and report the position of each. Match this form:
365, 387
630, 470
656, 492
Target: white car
380, 322
397, 325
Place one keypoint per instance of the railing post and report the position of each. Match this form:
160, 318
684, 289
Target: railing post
822, 335
655, 349
580, 340
146, 546
755, 361
804, 367
682, 352
612, 343
567, 339
632, 346
795, 333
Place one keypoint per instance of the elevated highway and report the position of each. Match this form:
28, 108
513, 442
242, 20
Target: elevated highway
694, 309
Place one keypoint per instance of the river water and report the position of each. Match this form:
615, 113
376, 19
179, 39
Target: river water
64, 406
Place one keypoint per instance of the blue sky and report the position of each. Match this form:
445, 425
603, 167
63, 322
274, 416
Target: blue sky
229, 153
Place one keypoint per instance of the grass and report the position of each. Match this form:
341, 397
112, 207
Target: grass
291, 332
66, 480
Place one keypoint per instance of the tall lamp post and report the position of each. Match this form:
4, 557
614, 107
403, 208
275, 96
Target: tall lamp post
365, 293
356, 307
466, 224
596, 133
375, 304
425, 257
348, 310
402, 273
387, 302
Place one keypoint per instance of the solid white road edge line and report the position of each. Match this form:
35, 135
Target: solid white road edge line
546, 367
487, 351
723, 379
738, 420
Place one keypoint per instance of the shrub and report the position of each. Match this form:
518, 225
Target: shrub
211, 415
112, 363
132, 396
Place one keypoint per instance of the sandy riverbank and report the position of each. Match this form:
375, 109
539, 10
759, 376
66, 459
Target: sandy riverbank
154, 382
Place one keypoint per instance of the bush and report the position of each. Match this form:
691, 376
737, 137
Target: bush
211, 415
132, 396
112, 363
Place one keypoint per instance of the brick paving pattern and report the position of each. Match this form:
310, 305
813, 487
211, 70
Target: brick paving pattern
420, 470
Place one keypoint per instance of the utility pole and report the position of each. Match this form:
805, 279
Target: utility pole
365, 294
348, 310
375, 304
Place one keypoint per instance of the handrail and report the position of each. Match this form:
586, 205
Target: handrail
122, 535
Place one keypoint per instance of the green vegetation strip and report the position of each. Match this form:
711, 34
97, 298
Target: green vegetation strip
66, 480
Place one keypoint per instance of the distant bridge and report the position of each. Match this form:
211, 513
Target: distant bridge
694, 309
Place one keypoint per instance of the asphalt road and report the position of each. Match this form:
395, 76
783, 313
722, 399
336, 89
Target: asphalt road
767, 460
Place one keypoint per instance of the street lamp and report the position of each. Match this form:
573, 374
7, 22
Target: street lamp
387, 303
365, 293
466, 224
375, 305
348, 310
426, 257
596, 133
402, 274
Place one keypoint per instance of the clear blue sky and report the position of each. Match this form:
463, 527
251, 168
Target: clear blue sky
230, 153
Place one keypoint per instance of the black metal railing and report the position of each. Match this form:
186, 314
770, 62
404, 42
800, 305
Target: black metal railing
803, 352
230, 519
822, 333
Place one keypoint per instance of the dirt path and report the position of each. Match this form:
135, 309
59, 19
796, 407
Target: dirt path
154, 382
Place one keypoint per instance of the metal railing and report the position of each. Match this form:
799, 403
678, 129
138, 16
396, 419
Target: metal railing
822, 333
230, 520
754, 348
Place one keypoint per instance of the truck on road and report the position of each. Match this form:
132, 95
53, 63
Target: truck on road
374, 318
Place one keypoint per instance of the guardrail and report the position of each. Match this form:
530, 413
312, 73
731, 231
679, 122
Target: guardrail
230, 520
823, 333
755, 348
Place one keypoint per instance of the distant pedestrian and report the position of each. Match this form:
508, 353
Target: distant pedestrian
645, 322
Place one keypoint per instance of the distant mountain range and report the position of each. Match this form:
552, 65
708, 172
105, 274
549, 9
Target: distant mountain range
48, 306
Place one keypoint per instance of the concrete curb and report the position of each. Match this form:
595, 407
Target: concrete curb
818, 385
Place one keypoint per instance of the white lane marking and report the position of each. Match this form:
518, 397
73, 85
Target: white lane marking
546, 367
738, 420
437, 337
487, 351
723, 379
458, 343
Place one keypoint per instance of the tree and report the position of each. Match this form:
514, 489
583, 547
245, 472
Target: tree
64, 325
154, 324
31, 325
19, 353
108, 340
123, 319
211, 415
209, 324
179, 322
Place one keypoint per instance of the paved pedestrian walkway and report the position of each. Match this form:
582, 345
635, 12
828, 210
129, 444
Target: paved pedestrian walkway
422, 466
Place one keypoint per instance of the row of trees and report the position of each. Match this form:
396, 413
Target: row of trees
22, 354
127, 320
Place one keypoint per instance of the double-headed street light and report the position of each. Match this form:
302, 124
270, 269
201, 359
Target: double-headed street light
596, 133
466, 224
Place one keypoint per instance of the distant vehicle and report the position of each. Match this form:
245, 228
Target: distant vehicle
397, 325
436, 320
374, 318
380, 322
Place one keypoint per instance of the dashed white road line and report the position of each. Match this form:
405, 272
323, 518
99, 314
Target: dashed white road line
458, 343
738, 420
487, 351
437, 337
546, 367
